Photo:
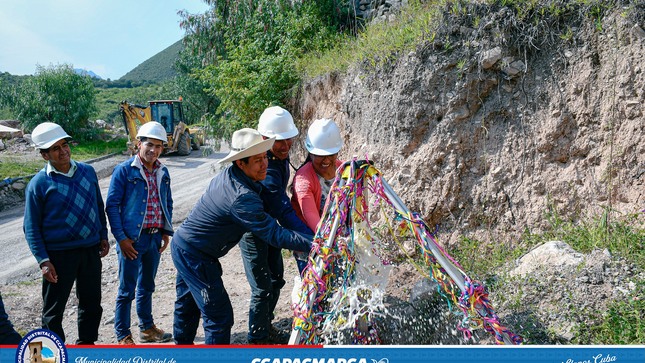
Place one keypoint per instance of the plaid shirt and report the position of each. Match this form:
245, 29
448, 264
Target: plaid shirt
154, 214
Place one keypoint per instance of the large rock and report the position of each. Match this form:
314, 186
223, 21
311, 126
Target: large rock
7, 132
554, 255
10, 123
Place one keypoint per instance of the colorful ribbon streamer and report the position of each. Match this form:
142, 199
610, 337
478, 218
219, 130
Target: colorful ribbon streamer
344, 282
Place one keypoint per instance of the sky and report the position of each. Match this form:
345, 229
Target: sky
108, 37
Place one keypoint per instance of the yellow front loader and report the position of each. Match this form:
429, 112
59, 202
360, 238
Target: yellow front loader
169, 113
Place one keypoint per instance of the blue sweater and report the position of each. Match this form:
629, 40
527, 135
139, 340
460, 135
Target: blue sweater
63, 213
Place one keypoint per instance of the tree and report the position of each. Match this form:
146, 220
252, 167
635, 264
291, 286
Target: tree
245, 53
8, 84
4, 96
199, 106
56, 94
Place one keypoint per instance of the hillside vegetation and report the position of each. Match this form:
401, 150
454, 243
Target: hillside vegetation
156, 78
508, 124
157, 69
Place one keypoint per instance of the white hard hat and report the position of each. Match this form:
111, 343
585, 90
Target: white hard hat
47, 134
153, 130
247, 142
277, 122
323, 137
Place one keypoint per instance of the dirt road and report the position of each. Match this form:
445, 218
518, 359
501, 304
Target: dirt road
20, 278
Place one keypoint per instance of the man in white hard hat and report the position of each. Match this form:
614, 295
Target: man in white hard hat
258, 256
230, 207
66, 230
139, 208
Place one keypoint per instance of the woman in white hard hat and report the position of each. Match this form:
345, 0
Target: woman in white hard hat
313, 180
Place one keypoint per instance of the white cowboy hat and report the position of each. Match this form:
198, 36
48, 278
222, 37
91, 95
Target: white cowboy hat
247, 142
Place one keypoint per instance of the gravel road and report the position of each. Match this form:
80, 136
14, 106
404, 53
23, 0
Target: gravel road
20, 277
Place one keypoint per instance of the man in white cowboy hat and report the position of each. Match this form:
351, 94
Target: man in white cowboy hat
66, 230
139, 208
230, 207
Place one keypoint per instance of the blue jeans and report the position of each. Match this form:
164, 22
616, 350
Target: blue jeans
138, 274
265, 272
200, 293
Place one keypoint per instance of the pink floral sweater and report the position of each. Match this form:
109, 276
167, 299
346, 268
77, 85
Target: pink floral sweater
307, 194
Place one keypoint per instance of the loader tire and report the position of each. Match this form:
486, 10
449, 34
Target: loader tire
183, 148
195, 144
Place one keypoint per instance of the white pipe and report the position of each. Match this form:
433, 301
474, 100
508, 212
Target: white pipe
295, 333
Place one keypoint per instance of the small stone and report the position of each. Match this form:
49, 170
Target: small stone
109, 321
19, 185
490, 57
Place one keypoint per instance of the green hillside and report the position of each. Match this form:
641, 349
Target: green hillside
156, 69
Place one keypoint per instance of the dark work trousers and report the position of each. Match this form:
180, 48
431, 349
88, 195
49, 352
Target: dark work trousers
200, 292
8, 335
82, 265
265, 272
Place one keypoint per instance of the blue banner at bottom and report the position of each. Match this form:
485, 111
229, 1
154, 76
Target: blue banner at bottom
336, 354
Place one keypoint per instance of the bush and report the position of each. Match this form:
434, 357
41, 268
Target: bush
55, 94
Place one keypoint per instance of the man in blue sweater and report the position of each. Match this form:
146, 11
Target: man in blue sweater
230, 207
66, 230
259, 256
139, 208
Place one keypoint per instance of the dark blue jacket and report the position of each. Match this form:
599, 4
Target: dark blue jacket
275, 198
230, 207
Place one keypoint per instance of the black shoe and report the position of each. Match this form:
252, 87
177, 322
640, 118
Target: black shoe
278, 336
263, 341
275, 337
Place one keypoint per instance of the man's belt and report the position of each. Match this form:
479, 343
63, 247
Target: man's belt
150, 230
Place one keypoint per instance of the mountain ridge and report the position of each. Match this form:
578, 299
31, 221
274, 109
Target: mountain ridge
158, 68
85, 72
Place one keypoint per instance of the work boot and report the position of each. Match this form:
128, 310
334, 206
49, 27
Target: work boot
278, 336
127, 340
275, 337
155, 335
263, 341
